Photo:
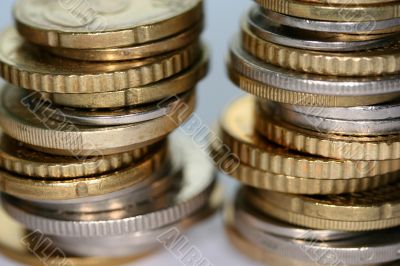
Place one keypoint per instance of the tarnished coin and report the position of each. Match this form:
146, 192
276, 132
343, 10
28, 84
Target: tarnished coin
43, 133
133, 52
29, 67
103, 24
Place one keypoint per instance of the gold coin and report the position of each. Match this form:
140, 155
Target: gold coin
341, 13
270, 93
262, 179
329, 145
56, 189
18, 159
139, 95
155, 48
346, 212
378, 61
42, 133
239, 134
30, 67
103, 24
378, 204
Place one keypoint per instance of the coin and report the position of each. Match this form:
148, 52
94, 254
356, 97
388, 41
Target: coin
133, 52
330, 125
268, 92
289, 80
359, 27
27, 66
56, 189
256, 24
239, 134
370, 210
15, 244
18, 159
344, 13
175, 85
194, 193
42, 133
338, 146
114, 117
379, 61
350, 250
100, 24
263, 179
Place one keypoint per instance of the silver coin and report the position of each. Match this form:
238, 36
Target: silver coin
358, 113
116, 117
125, 245
273, 31
346, 126
277, 77
334, 27
198, 183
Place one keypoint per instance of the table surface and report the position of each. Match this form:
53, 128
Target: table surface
215, 92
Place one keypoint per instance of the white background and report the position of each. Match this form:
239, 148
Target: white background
215, 93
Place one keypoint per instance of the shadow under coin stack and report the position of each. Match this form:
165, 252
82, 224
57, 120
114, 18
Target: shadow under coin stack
87, 169
319, 141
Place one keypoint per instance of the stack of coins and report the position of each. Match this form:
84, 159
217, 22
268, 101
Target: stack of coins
318, 142
95, 88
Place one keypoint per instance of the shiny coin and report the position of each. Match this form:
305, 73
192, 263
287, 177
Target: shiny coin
271, 31
364, 27
114, 117
317, 121
133, 52
100, 24
177, 84
276, 77
65, 138
28, 66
